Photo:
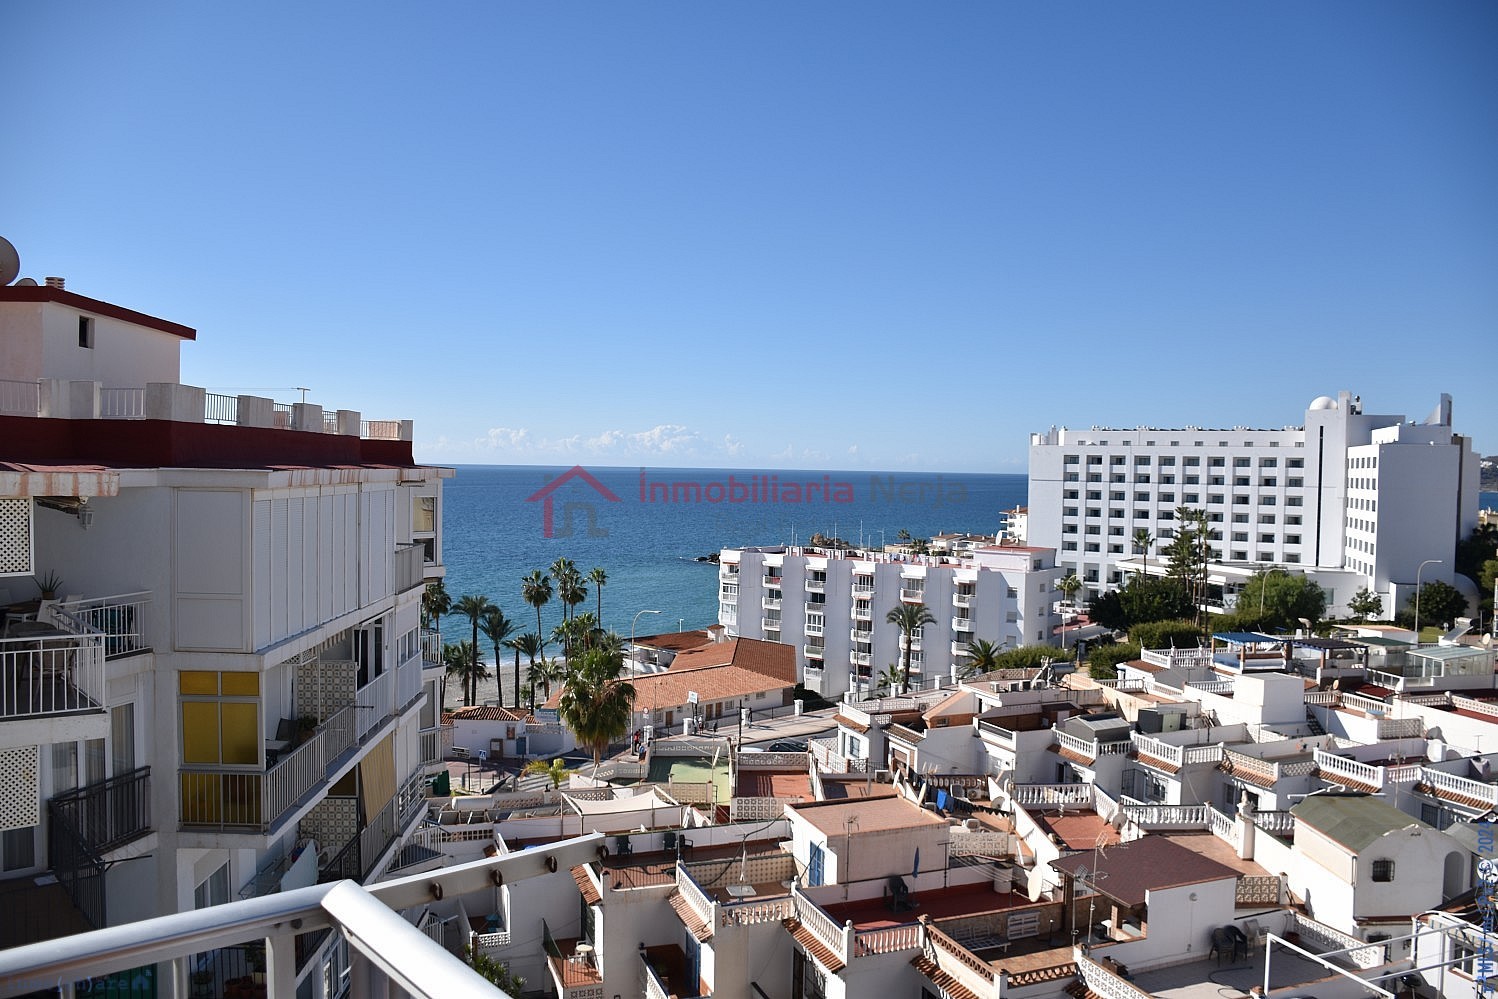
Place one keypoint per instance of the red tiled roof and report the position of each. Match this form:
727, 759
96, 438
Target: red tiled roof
772, 659
809, 943
488, 712
847, 722
689, 919
675, 641
585, 885
945, 983
1157, 763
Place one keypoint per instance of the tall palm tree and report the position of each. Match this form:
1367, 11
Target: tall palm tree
550, 670
1143, 539
889, 678
530, 643
571, 591
610, 641
597, 703
515, 644
1068, 587
599, 577
982, 657
909, 618
535, 589
435, 603
473, 606
562, 568
459, 659
498, 628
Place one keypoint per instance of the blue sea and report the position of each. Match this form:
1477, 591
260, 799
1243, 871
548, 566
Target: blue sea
647, 537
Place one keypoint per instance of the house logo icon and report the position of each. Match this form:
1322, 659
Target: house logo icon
547, 498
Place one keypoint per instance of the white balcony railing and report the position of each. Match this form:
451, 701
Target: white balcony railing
121, 620
960, 599
1451, 786
20, 398
374, 703
861, 658
816, 585
814, 630
408, 682
410, 567
912, 596
51, 673
814, 651
1052, 794
436, 743
770, 624
122, 403
771, 603
962, 624
861, 634
431, 649
835, 938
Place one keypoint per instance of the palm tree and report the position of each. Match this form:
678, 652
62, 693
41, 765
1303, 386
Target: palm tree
1068, 587
458, 657
435, 603
535, 589
571, 591
473, 607
561, 569
610, 641
599, 577
498, 628
890, 678
556, 770
550, 670
1142, 540
515, 643
597, 704
909, 618
983, 657
530, 643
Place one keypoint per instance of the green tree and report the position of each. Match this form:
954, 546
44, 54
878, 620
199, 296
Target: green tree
435, 604
497, 629
551, 670
473, 607
891, 679
458, 658
920, 546
1143, 539
982, 657
530, 643
556, 770
597, 703
535, 590
494, 972
1279, 600
1150, 598
1069, 586
599, 577
1180, 634
1439, 603
1032, 656
1103, 660
1190, 554
909, 618
1107, 610
1366, 604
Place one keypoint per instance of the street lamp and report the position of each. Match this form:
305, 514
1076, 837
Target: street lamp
1429, 561
634, 654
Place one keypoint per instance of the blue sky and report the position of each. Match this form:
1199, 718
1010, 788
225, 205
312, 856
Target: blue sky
848, 235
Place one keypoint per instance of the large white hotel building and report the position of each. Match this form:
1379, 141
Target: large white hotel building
1349, 498
833, 606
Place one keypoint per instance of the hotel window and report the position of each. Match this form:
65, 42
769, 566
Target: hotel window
1094, 494
1167, 497
1115, 512
1292, 501
424, 514
85, 332
1266, 539
1240, 536
1072, 459
1268, 481
1092, 547
1214, 498
1296, 463
1094, 511
1241, 462
1191, 497
1167, 460
1295, 483
1383, 870
1292, 557
1239, 555
1266, 556
1115, 549
1142, 459
1292, 539
1117, 494
1094, 459
1094, 477
1241, 480
1117, 459
1193, 461
1268, 462
1193, 480
1141, 497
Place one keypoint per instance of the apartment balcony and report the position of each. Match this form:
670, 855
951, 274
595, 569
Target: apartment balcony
728, 596
962, 624
410, 567
814, 630
910, 596
728, 572
771, 603
359, 858
862, 612
960, 599
861, 658
772, 580
816, 585
961, 649
863, 591
913, 643
121, 619
770, 624
861, 634
436, 743
106, 814
814, 651
431, 650
573, 964
47, 671
245, 799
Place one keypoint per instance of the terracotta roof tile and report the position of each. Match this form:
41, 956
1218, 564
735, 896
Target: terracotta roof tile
487, 713
847, 722
586, 886
689, 919
947, 984
813, 946
1157, 763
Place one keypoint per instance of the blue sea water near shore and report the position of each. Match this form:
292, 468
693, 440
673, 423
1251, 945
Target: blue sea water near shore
646, 527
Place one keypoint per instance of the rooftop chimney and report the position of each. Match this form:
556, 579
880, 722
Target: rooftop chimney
56, 282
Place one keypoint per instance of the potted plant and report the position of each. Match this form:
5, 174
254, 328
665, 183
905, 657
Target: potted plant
49, 585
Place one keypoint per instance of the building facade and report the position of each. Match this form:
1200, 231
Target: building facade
833, 606
215, 682
1350, 498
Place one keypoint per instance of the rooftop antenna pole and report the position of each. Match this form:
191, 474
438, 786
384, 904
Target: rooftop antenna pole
304, 392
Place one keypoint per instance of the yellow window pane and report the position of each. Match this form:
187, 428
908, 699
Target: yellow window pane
197, 682
241, 733
199, 732
241, 684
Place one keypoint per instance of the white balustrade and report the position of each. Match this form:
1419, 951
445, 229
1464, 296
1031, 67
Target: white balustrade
122, 403
120, 619
821, 925
702, 906
888, 940
1167, 816
1334, 767
1460, 786
374, 703
760, 911
51, 675
1052, 794
19, 398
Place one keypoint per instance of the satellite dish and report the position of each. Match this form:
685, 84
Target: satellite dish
10, 262
26, 283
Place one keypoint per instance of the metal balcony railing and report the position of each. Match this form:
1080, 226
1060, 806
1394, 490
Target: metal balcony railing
51, 672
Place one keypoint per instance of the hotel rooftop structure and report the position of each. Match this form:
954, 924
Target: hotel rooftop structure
1349, 498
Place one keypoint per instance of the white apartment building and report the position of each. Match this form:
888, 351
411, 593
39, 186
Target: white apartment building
229, 693
1351, 499
832, 605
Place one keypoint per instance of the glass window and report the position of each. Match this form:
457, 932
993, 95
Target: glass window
424, 514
